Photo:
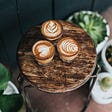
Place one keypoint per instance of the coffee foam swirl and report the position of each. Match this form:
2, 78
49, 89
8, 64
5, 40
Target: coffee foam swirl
52, 27
68, 47
43, 50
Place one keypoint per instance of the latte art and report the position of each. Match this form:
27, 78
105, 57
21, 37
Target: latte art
68, 46
43, 50
68, 49
52, 27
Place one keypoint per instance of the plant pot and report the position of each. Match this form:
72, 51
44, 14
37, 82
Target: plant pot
11, 89
100, 46
107, 66
98, 95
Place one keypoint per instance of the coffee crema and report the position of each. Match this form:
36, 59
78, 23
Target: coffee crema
51, 29
67, 48
43, 51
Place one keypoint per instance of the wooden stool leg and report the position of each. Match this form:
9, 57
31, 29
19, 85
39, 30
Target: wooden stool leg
24, 93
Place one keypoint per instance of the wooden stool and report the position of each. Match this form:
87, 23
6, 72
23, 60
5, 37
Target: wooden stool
69, 76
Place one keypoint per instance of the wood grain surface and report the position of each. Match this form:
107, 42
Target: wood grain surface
57, 76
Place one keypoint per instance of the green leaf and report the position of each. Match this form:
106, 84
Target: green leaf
5, 76
11, 103
86, 19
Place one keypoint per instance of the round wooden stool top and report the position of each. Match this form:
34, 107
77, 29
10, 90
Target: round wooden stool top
57, 76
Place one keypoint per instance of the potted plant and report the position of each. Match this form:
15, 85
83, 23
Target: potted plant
94, 24
106, 56
10, 99
102, 90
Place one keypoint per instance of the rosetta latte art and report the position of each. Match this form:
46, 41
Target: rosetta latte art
52, 27
68, 46
51, 30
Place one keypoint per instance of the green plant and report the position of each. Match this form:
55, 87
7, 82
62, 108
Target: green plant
105, 83
8, 103
92, 23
